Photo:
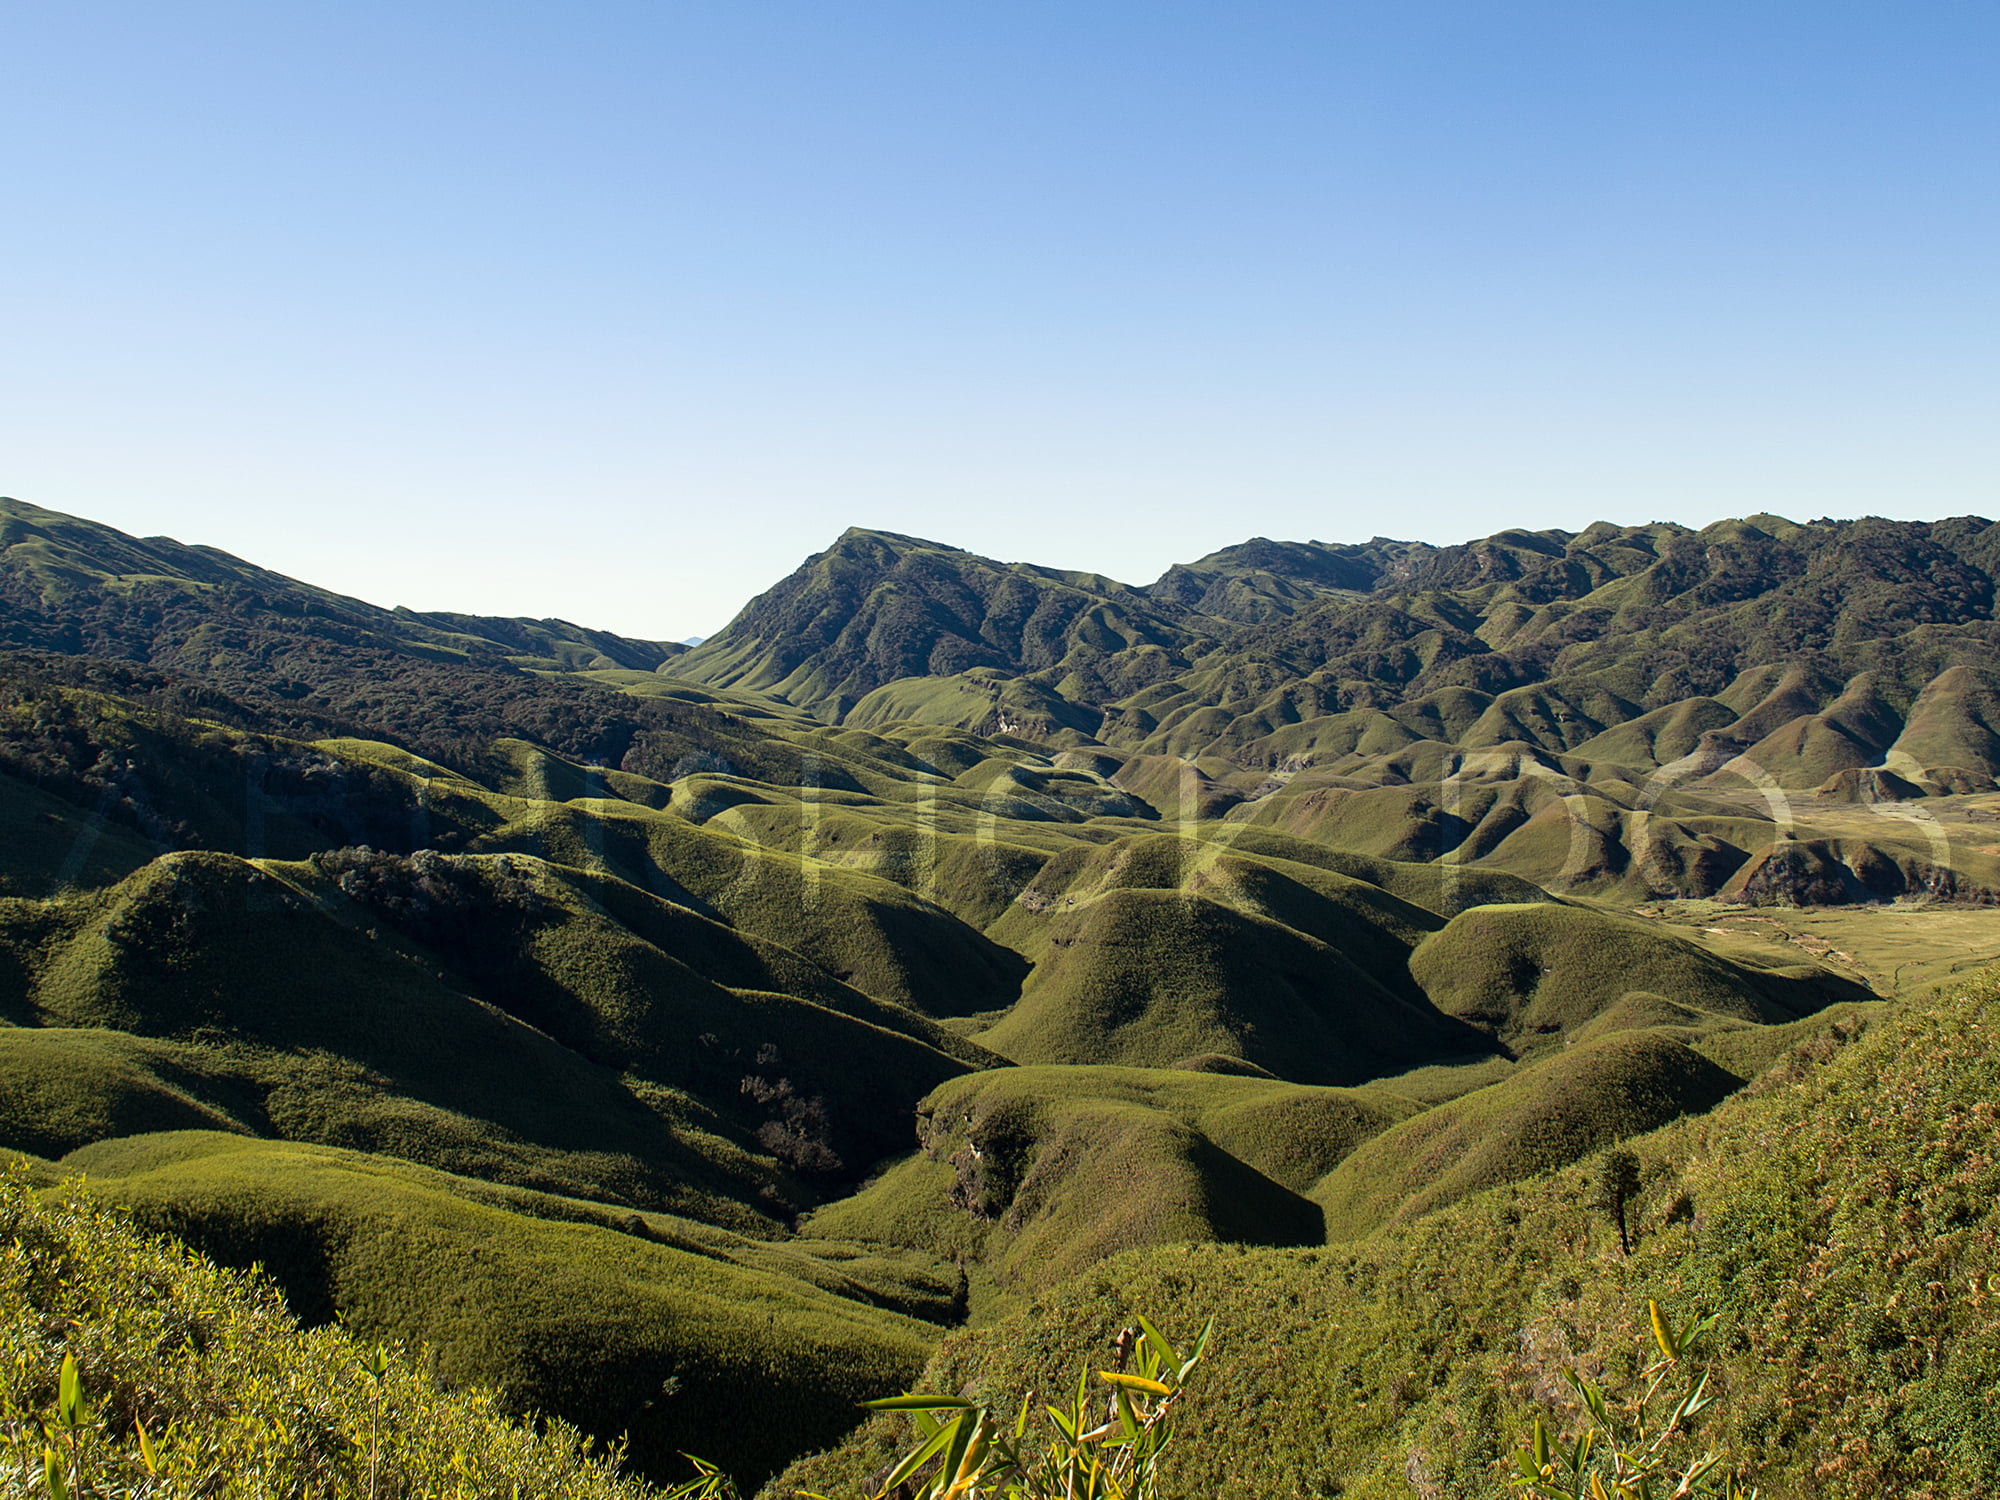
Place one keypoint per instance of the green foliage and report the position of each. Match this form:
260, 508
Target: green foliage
965, 1450
1634, 1443
1839, 1217
660, 1330
130, 1368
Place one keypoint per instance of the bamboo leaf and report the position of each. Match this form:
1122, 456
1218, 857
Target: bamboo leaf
1663, 1333
964, 1430
919, 1403
1700, 1470
1127, 1418
1136, 1383
1695, 1400
1159, 1342
1201, 1343
69, 1393
1697, 1328
918, 1457
965, 1472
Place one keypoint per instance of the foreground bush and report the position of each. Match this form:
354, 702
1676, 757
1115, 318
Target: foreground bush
966, 1450
131, 1367
1638, 1442
1102, 1442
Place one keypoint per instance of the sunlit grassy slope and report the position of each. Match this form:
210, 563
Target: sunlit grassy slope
235, 1398
1840, 1217
1038, 1172
504, 1027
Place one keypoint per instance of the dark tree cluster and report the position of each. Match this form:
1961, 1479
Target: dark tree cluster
797, 1129
442, 901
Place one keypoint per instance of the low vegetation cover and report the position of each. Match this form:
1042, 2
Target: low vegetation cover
129, 1367
1838, 1220
662, 1333
1634, 1443
1415, 958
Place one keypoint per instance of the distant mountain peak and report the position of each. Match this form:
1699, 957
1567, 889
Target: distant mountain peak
900, 541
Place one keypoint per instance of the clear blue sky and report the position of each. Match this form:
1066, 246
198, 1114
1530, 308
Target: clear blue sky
618, 310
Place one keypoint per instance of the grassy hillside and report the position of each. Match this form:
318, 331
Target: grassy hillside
57, 558
235, 1397
1036, 1173
1534, 974
877, 607
1559, 1111
490, 1026
1839, 1216
1587, 709
1148, 977
663, 1330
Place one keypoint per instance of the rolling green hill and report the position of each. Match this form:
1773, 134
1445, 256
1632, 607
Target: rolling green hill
1839, 1217
233, 1396
1036, 1173
663, 1330
691, 1043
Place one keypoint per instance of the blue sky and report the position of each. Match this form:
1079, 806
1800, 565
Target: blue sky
616, 311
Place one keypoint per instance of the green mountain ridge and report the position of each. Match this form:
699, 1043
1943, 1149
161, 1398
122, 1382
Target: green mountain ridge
1637, 617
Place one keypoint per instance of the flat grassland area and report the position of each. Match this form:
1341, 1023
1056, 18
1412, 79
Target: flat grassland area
1895, 949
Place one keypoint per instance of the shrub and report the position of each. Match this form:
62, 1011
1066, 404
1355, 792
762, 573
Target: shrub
1105, 1446
1637, 1446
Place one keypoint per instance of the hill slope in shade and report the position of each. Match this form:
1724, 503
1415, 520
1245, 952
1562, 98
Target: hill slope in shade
1036, 1173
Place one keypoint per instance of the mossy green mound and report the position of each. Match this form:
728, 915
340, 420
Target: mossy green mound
1155, 947
1530, 974
1039, 1172
1145, 977
674, 1334
489, 1015
1560, 1110
62, 1088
